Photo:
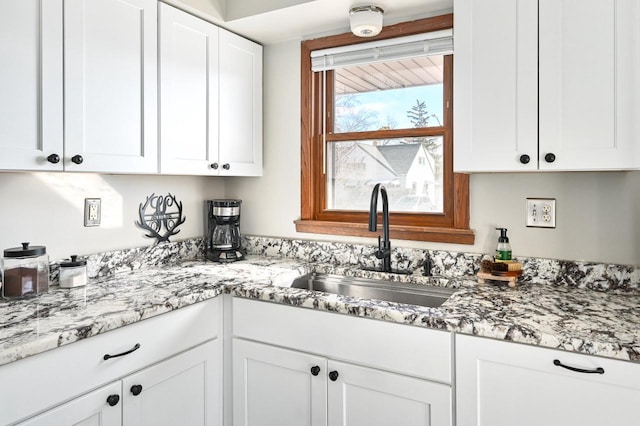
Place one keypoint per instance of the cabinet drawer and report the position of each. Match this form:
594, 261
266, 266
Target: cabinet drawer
503, 383
401, 348
50, 378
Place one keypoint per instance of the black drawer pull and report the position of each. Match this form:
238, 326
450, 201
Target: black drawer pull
135, 348
136, 389
598, 370
333, 376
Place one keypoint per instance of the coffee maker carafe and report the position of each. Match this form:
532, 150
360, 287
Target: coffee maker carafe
223, 231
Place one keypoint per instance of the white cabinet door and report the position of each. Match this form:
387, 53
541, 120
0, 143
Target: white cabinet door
360, 396
183, 390
589, 84
240, 106
110, 86
274, 386
102, 407
31, 128
188, 94
505, 384
496, 85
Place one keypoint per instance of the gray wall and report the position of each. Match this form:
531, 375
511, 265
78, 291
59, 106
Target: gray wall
597, 212
48, 209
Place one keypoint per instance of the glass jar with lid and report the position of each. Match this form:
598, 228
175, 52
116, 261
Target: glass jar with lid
25, 271
73, 273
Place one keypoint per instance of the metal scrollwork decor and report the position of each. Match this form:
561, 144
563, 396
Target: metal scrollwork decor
160, 215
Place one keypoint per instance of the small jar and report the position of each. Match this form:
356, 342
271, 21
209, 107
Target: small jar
73, 273
25, 271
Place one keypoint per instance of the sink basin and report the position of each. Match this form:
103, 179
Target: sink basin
390, 291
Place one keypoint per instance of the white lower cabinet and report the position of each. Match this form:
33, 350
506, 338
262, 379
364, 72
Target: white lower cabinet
165, 370
183, 390
505, 384
179, 391
361, 396
276, 386
302, 367
100, 407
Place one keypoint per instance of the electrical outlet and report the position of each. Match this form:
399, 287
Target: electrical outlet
92, 211
541, 212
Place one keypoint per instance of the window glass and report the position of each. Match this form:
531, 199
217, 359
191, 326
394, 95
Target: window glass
397, 94
410, 168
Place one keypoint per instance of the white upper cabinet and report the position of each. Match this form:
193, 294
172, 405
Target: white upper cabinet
240, 106
31, 130
547, 85
210, 99
110, 59
589, 84
495, 85
188, 94
80, 81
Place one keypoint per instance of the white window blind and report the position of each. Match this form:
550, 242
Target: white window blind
433, 43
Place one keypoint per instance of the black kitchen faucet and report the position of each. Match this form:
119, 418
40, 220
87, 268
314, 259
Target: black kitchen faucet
384, 243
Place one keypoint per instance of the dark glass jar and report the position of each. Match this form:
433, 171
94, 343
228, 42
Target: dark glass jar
25, 271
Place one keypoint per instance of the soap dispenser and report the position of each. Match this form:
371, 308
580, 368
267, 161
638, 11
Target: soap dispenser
503, 250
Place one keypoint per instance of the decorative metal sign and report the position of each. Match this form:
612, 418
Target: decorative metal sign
160, 215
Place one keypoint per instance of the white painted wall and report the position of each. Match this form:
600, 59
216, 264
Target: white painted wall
48, 209
598, 215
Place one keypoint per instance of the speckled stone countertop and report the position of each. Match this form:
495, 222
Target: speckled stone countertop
62, 316
573, 319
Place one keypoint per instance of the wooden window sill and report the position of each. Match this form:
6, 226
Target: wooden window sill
414, 233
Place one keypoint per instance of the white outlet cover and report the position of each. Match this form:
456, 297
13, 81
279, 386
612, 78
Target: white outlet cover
92, 211
541, 212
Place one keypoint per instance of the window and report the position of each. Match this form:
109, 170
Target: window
379, 113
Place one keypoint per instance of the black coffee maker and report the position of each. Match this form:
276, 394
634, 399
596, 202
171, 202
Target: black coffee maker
223, 231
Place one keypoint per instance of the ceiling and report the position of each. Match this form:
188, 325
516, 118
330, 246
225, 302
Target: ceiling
274, 21
397, 74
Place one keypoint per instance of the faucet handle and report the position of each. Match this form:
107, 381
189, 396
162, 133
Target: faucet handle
426, 267
382, 252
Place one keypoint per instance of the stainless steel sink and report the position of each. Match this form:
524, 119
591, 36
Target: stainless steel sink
390, 291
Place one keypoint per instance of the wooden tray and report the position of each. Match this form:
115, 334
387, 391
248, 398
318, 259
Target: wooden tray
510, 277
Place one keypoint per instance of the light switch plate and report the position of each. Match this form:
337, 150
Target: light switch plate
541, 212
92, 211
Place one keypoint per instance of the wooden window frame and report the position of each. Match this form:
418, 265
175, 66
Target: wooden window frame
452, 226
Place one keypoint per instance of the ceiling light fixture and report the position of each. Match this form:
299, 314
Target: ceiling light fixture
366, 21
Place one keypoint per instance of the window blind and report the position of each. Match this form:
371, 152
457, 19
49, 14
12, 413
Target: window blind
433, 43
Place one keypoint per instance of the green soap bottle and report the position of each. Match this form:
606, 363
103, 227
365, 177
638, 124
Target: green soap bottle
503, 250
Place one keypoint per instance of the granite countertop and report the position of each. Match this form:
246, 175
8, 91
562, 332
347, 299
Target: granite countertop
584, 321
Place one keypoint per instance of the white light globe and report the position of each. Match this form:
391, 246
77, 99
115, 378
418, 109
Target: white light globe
366, 21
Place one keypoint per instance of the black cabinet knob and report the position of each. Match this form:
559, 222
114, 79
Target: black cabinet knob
214, 166
226, 166
53, 158
524, 159
77, 159
333, 376
136, 389
550, 157
315, 370
113, 400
